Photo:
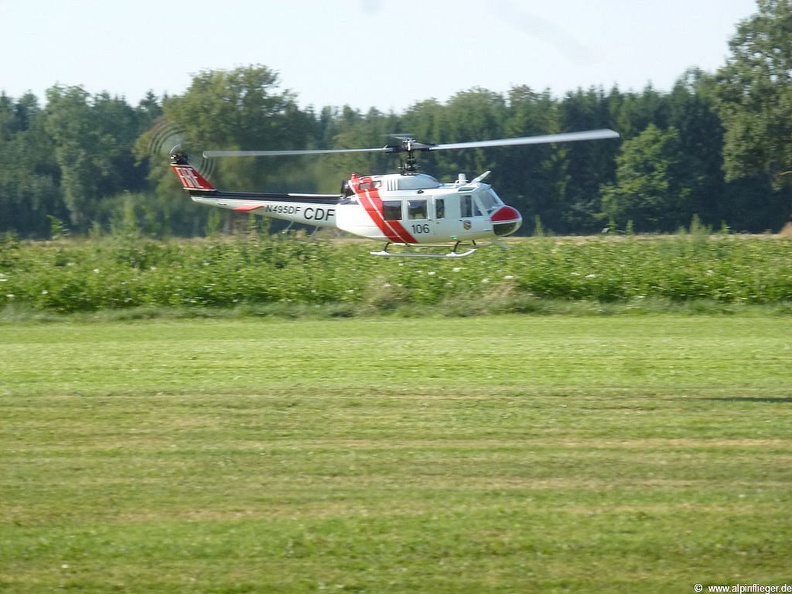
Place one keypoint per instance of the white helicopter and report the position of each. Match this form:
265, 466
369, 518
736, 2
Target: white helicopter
404, 209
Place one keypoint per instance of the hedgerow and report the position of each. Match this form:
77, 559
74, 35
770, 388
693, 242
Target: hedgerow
87, 275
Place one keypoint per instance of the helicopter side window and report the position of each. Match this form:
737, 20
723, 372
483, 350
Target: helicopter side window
368, 185
439, 208
416, 209
392, 210
465, 206
468, 208
346, 189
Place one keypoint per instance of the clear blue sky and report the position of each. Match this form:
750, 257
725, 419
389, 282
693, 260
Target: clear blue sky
388, 54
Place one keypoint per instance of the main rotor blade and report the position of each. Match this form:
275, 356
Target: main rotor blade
410, 145
545, 139
211, 154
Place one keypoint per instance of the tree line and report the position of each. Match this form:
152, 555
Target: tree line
716, 148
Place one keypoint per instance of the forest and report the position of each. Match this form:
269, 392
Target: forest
717, 148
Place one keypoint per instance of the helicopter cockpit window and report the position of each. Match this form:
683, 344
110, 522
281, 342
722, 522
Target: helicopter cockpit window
489, 200
392, 210
416, 209
439, 208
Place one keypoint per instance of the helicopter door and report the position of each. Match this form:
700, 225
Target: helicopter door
470, 215
418, 217
468, 207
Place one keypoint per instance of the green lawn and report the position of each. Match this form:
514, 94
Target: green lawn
492, 454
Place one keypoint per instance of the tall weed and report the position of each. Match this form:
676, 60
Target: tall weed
87, 275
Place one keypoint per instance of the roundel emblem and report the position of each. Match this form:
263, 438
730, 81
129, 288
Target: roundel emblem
466, 225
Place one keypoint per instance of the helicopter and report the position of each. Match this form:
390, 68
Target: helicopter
408, 208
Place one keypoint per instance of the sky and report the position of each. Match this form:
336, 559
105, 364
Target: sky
385, 54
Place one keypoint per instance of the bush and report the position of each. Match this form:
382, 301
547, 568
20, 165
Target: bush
82, 275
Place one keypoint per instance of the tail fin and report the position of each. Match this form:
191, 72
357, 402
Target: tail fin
188, 175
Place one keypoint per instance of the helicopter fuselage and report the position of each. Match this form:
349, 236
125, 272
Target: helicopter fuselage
418, 209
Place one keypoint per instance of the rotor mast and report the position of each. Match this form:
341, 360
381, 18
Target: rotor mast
409, 146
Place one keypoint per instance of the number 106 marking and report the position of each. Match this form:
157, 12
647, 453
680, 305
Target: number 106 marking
421, 229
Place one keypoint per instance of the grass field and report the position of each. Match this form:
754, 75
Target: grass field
487, 454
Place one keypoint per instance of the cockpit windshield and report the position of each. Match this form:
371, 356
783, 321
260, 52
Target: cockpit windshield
488, 200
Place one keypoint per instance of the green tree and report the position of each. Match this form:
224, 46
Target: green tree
691, 111
632, 112
29, 176
357, 130
530, 178
93, 138
241, 109
71, 127
476, 114
754, 92
424, 121
587, 165
648, 190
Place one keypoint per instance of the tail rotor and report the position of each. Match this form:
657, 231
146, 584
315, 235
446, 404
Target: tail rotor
167, 139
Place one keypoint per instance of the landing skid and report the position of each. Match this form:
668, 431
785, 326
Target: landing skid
452, 254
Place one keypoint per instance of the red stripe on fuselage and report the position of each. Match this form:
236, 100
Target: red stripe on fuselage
376, 216
399, 228
393, 230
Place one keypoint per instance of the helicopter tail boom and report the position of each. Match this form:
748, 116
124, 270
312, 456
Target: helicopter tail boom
309, 209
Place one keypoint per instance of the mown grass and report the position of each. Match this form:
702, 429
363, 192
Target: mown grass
487, 454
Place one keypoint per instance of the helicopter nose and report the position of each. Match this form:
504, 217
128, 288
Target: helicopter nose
505, 221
